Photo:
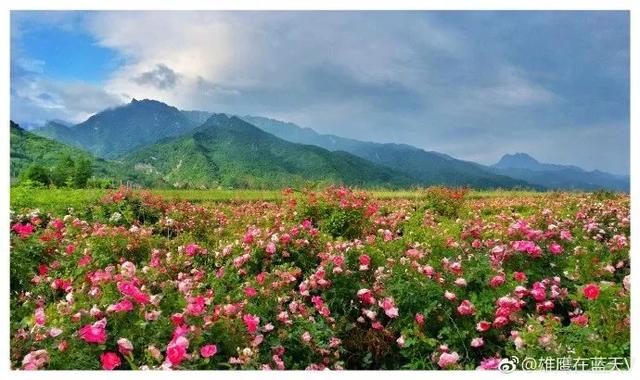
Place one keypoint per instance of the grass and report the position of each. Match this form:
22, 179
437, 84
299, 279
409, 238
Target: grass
59, 200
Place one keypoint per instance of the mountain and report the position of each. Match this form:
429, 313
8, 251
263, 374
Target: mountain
525, 161
197, 117
565, 177
116, 131
227, 151
431, 168
28, 148
57, 131
142, 127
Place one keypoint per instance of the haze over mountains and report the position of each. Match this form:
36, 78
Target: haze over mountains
159, 145
430, 168
553, 176
439, 168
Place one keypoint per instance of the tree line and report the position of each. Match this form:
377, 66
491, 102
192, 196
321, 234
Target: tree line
67, 172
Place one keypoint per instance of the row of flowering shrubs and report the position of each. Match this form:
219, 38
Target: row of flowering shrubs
322, 280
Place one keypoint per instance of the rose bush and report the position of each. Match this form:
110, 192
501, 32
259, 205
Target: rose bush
333, 279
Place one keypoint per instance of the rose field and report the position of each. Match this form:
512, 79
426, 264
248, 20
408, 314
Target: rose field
435, 278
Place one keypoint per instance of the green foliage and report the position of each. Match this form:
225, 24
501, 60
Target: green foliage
286, 262
231, 153
35, 176
445, 201
66, 173
38, 161
429, 168
339, 212
603, 194
113, 132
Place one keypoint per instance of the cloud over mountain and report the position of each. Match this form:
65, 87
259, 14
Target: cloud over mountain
439, 80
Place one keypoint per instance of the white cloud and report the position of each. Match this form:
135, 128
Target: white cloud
442, 83
514, 89
256, 54
36, 98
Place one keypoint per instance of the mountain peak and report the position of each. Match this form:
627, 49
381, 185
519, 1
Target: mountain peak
115, 131
136, 102
221, 121
518, 160
15, 125
57, 123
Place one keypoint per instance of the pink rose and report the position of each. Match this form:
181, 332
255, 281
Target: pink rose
450, 296
496, 281
490, 363
176, 353
565, 235
129, 289
389, 308
483, 326
23, 230
251, 321
110, 360
477, 342
35, 360
448, 359
271, 248
54, 332
366, 296
125, 346
250, 292
122, 306
364, 261
555, 248
94, 333
191, 249
39, 315
208, 351
70, 249
580, 320
466, 308
519, 276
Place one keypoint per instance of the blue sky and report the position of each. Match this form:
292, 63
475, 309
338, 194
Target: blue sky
475, 85
68, 54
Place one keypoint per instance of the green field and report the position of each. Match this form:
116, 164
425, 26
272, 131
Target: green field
60, 199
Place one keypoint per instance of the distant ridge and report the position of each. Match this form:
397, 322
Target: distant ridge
525, 161
431, 168
564, 177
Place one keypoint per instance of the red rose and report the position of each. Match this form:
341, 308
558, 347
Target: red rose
94, 333
110, 361
591, 291
176, 353
580, 320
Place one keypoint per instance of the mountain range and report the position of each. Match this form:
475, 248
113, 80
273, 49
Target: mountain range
155, 144
228, 151
553, 176
438, 168
430, 168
